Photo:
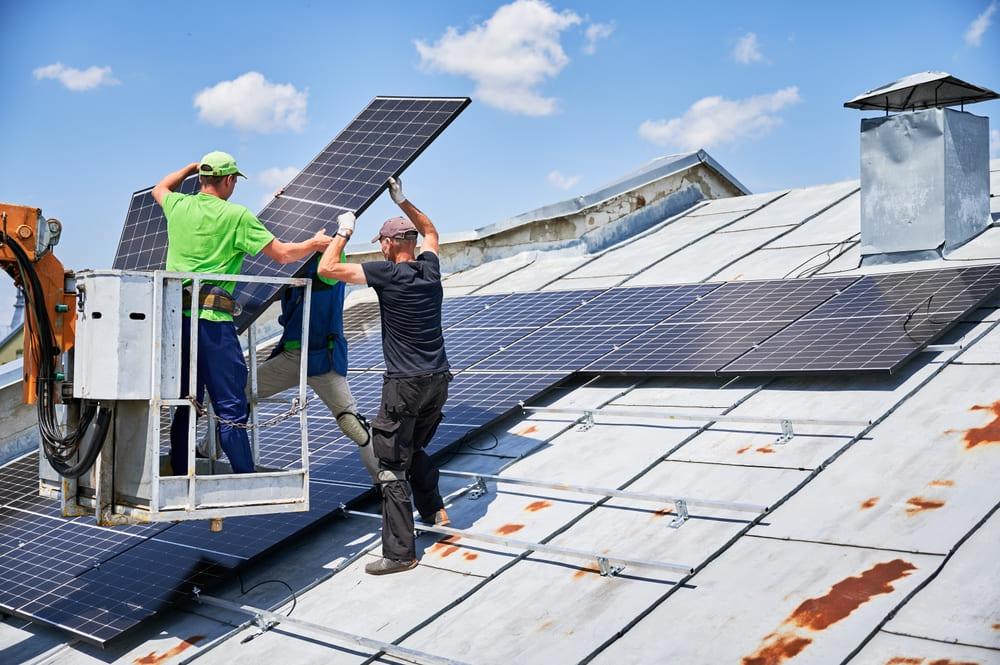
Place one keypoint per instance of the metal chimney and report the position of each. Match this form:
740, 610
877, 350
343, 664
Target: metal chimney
925, 182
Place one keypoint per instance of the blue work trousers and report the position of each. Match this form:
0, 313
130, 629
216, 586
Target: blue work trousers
223, 372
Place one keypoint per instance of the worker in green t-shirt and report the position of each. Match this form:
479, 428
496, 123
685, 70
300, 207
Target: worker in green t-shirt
207, 234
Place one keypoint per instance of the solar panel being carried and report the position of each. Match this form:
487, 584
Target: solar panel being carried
348, 175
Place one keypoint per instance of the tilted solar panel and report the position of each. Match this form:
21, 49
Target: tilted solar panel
347, 175
143, 243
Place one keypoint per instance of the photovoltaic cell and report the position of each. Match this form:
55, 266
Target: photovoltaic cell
642, 306
348, 175
456, 310
532, 309
143, 243
716, 329
380, 142
877, 324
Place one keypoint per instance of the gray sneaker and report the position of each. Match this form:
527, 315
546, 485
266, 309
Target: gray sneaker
388, 566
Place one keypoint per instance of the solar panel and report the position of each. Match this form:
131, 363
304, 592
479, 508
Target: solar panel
877, 324
348, 175
475, 399
532, 309
724, 324
456, 310
143, 242
600, 326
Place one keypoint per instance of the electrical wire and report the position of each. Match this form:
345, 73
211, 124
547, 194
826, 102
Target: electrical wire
244, 591
61, 448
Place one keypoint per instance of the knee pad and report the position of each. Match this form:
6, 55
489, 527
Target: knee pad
355, 427
386, 476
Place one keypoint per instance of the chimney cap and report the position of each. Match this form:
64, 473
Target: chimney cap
921, 91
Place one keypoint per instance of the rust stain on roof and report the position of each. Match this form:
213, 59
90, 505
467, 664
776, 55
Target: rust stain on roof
918, 504
740, 451
942, 483
524, 431
153, 658
446, 546
778, 649
535, 506
470, 556
996, 626
902, 660
767, 450
508, 529
949, 661
988, 433
662, 512
819, 613
849, 594
869, 502
586, 570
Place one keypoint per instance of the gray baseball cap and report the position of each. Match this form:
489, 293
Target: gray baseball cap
397, 227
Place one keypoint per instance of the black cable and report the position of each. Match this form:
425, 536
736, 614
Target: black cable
291, 591
59, 447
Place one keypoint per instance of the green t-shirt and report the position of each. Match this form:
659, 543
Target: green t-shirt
208, 235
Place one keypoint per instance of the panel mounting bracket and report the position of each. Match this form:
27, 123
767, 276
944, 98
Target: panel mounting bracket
681, 514
587, 420
607, 568
786, 433
478, 488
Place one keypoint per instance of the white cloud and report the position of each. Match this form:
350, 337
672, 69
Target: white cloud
76, 79
252, 103
747, 50
712, 121
995, 144
508, 56
594, 33
974, 34
561, 181
273, 179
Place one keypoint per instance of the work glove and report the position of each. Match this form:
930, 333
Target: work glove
396, 191
345, 222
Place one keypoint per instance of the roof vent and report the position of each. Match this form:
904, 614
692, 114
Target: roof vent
924, 171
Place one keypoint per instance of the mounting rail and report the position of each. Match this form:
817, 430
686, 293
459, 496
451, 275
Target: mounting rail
586, 417
605, 562
681, 503
265, 620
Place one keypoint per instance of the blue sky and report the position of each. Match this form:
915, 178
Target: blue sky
101, 99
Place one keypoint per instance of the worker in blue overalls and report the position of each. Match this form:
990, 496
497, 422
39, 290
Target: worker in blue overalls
327, 357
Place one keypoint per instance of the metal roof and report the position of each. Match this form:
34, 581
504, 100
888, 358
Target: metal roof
921, 91
879, 546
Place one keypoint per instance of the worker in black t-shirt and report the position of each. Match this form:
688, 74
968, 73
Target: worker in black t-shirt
415, 386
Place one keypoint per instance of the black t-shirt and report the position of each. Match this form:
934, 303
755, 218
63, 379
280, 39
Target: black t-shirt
409, 299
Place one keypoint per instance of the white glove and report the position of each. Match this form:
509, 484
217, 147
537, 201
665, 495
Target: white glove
396, 191
345, 223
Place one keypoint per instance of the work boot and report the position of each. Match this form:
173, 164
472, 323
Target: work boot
440, 518
388, 566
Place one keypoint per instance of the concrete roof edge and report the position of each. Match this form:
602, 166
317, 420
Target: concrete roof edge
653, 170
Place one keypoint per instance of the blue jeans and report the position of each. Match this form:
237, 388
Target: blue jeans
223, 372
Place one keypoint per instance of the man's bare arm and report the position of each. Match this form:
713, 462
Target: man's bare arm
290, 252
423, 223
330, 265
172, 181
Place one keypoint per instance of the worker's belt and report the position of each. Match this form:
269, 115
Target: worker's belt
213, 298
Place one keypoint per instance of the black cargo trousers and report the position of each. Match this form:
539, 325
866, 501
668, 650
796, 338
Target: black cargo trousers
406, 422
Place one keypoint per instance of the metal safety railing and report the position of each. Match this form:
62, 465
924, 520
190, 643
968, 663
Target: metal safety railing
216, 495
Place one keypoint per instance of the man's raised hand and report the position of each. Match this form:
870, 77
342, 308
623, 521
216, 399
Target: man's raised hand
396, 191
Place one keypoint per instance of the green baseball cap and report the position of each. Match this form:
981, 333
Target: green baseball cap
218, 163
